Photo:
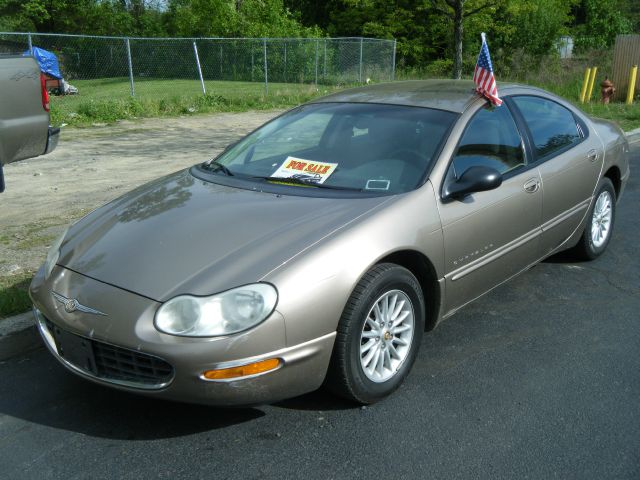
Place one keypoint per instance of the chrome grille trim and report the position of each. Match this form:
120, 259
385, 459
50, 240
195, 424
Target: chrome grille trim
113, 361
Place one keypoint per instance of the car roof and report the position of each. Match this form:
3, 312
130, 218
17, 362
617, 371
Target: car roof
451, 95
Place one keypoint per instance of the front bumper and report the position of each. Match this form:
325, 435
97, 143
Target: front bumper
128, 327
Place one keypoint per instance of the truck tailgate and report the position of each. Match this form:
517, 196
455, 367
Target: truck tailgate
24, 123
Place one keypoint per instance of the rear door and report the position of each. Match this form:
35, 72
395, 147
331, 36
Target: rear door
569, 159
490, 236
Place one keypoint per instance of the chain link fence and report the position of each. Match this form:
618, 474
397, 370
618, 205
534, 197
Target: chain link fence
138, 66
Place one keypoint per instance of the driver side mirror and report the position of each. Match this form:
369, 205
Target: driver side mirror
474, 179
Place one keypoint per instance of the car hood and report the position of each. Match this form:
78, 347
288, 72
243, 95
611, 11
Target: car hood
182, 235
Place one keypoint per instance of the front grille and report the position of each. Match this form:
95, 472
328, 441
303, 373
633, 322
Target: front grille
115, 364
131, 366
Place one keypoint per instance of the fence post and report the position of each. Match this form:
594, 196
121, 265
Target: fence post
316, 63
393, 61
266, 75
324, 62
285, 61
133, 91
360, 74
632, 84
195, 51
252, 63
221, 77
592, 80
585, 84
30, 43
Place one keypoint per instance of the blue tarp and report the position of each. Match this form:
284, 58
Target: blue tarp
48, 62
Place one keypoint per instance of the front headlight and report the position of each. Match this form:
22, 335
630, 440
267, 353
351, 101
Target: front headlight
222, 314
53, 254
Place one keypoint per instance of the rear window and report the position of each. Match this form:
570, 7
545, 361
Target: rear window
553, 127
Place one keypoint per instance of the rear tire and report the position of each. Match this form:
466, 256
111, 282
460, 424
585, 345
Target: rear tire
601, 218
378, 335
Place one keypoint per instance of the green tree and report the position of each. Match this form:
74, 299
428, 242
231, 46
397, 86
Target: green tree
531, 27
201, 18
457, 11
598, 23
234, 18
106, 17
269, 18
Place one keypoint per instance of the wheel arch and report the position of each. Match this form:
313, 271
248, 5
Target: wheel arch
615, 176
422, 268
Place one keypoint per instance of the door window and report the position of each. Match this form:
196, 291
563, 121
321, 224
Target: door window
552, 126
491, 140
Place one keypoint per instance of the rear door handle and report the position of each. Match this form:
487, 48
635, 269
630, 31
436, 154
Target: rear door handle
592, 155
532, 185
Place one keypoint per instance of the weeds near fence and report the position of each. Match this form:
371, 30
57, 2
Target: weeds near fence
108, 100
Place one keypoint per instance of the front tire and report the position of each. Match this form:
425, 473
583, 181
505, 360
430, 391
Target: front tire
378, 335
597, 232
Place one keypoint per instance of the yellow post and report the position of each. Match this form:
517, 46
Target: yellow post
592, 80
585, 84
632, 84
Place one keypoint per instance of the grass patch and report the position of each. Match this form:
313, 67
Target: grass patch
33, 241
627, 116
31, 235
109, 100
14, 298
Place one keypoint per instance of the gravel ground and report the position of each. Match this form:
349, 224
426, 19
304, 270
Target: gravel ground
93, 166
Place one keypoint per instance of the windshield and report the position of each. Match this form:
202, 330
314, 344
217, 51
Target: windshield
365, 147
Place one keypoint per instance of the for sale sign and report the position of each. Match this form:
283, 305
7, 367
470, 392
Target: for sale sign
308, 170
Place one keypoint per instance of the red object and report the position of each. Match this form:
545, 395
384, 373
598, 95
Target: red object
52, 82
45, 94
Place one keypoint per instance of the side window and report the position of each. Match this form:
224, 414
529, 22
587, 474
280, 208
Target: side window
491, 140
552, 126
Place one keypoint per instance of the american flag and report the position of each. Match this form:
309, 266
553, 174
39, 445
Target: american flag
483, 75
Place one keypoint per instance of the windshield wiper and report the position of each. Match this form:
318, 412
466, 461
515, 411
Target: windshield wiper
220, 166
306, 183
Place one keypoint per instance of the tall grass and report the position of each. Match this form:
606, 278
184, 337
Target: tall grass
109, 100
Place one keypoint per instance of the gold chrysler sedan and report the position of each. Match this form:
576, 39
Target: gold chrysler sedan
318, 248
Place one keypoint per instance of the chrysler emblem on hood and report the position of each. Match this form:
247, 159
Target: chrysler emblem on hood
72, 305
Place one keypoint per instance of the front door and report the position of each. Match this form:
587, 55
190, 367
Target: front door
490, 236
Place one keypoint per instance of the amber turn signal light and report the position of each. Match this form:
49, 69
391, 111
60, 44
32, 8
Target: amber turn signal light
243, 370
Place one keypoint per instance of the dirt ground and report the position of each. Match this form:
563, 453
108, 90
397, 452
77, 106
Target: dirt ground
93, 166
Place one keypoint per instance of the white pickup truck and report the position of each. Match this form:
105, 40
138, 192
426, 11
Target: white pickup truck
24, 112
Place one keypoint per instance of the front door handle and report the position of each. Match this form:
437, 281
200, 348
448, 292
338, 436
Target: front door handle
592, 155
532, 185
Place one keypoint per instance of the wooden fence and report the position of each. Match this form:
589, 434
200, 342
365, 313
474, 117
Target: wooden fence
626, 55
